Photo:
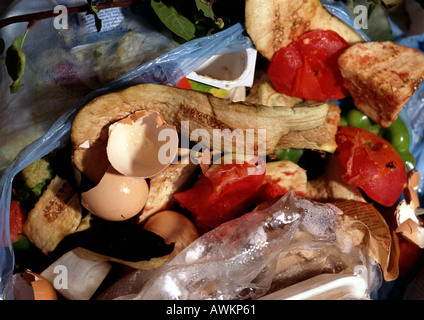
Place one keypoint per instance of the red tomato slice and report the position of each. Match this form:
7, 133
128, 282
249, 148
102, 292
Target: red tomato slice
307, 68
282, 70
221, 194
308, 79
16, 220
371, 164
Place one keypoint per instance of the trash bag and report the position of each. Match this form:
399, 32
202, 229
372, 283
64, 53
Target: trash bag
168, 68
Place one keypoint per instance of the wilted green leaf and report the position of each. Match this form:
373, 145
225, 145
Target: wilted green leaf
98, 22
378, 26
92, 9
15, 63
206, 7
174, 21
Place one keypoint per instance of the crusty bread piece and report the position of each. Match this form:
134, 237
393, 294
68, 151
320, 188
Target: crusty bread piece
274, 24
89, 131
381, 77
164, 185
55, 215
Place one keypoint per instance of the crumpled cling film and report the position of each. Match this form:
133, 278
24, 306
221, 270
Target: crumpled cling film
261, 252
407, 212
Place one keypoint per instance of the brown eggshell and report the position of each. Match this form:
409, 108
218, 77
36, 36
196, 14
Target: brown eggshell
142, 144
173, 227
33, 286
116, 197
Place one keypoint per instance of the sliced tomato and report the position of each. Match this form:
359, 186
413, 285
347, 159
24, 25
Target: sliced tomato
372, 164
221, 194
16, 220
308, 68
282, 70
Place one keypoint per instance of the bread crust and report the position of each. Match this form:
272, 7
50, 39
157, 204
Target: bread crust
381, 77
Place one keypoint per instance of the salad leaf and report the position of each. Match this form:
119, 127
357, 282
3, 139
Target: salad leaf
92, 9
15, 63
206, 7
174, 21
378, 26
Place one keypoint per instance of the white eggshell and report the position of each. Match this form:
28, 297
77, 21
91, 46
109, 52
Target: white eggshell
141, 145
116, 197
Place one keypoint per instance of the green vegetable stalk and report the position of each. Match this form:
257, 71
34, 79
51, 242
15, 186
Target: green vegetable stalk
289, 154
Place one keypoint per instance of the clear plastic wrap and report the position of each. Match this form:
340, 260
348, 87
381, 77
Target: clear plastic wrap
264, 251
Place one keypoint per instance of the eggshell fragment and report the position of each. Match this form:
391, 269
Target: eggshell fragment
116, 197
142, 144
31, 286
173, 227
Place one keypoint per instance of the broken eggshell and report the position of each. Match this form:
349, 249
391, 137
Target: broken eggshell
142, 144
116, 197
31, 286
174, 227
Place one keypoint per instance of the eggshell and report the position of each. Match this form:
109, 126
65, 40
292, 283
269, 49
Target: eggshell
116, 197
31, 286
173, 227
142, 144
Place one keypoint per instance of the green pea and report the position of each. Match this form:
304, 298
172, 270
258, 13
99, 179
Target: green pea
290, 154
343, 121
398, 135
408, 159
356, 118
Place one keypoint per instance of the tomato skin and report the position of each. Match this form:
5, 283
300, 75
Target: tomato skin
16, 220
282, 70
372, 164
221, 194
308, 67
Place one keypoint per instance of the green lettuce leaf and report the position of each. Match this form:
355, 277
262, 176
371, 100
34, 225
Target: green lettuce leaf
378, 25
174, 21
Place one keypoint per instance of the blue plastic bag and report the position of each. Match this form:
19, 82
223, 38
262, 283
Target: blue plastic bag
168, 69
